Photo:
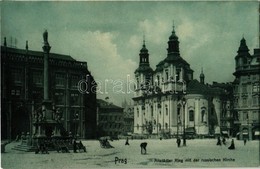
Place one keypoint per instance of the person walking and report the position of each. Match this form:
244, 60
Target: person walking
178, 142
244, 142
126, 142
219, 142
232, 146
224, 141
74, 146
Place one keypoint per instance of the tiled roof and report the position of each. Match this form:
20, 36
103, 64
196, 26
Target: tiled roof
195, 87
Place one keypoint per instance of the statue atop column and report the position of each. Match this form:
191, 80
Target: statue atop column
45, 38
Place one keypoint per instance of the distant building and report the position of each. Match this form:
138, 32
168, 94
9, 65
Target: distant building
22, 92
110, 119
168, 101
128, 118
246, 92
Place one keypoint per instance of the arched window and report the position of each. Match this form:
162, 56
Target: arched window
203, 116
160, 126
137, 112
166, 111
166, 125
137, 126
191, 115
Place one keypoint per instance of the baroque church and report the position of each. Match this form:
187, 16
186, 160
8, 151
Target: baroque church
168, 101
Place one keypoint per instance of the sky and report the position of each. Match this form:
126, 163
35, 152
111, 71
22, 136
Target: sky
109, 35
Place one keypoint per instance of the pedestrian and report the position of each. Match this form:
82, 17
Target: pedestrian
178, 142
126, 142
224, 141
143, 147
244, 142
232, 146
74, 146
219, 142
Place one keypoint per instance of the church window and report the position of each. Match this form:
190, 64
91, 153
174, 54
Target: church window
166, 125
158, 80
166, 75
191, 115
178, 111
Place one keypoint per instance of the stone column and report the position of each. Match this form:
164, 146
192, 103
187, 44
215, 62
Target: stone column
46, 49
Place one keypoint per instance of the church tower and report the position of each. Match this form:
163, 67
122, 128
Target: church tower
243, 57
144, 72
173, 44
202, 77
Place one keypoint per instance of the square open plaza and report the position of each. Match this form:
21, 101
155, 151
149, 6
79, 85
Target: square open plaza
160, 154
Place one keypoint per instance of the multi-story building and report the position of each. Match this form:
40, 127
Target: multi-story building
246, 92
110, 119
22, 86
169, 101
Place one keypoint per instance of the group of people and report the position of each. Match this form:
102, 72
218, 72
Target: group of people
219, 143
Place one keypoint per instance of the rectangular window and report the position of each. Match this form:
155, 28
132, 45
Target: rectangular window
74, 81
244, 102
256, 88
38, 78
244, 89
74, 99
59, 98
255, 100
245, 116
16, 93
255, 115
236, 89
16, 75
60, 79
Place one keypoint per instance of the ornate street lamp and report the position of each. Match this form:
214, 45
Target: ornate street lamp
184, 137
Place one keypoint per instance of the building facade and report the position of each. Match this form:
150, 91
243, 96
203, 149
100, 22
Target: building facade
22, 91
168, 101
110, 119
246, 92
128, 118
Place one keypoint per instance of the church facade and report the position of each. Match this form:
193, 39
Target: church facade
169, 102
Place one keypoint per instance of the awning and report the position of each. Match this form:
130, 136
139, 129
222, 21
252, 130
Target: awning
257, 133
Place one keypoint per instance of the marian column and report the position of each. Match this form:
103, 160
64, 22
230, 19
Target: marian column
46, 49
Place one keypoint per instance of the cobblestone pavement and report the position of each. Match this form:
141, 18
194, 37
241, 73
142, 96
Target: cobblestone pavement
160, 154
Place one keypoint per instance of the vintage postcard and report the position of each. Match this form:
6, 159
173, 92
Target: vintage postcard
128, 84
